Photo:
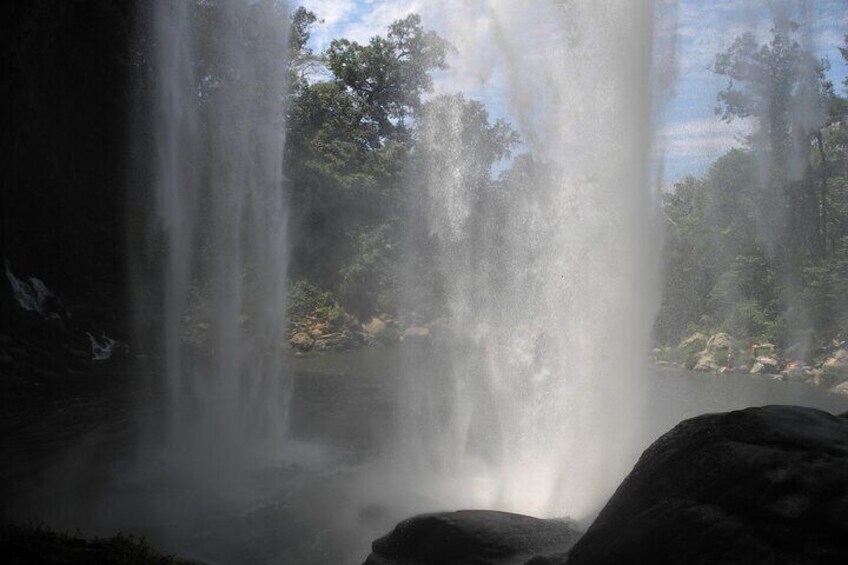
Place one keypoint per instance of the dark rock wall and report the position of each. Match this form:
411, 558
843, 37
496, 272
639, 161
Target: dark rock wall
67, 90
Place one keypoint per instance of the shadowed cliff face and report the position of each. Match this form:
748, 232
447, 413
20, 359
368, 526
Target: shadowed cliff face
66, 89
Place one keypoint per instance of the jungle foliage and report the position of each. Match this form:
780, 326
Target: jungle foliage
356, 135
758, 246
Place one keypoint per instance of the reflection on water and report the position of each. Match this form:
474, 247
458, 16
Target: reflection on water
336, 486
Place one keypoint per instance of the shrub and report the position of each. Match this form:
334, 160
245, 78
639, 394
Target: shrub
305, 298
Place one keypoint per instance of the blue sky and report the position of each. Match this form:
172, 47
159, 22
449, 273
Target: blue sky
690, 136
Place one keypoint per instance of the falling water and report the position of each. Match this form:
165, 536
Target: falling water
221, 229
551, 277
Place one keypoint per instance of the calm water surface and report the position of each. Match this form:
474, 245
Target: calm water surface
325, 500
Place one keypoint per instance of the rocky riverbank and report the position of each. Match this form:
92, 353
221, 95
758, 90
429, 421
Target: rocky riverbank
720, 353
333, 329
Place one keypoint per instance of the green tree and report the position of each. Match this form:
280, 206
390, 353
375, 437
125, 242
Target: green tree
451, 176
390, 74
350, 136
301, 57
782, 86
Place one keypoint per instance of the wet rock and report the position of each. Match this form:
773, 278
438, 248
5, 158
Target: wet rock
326, 329
717, 353
381, 331
761, 485
318, 329
768, 365
764, 350
706, 364
471, 537
720, 345
796, 375
689, 348
841, 388
417, 335
695, 342
838, 359
302, 341
374, 327
834, 370
795, 371
812, 376
792, 365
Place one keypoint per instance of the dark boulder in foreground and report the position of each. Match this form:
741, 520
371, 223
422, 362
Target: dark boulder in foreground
481, 537
761, 485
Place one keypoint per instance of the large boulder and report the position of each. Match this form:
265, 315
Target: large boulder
717, 353
381, 331
325, 329
834, 370
838, 359
302, 341
471, 537
374, 327
760, 485
765, 365
689, 348
841, 388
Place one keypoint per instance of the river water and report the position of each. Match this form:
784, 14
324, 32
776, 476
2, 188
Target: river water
339, 483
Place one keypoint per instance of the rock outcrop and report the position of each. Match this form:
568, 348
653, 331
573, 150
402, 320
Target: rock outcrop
479, 537
325, 329
761, 485
717, 354
721, 354
689, 348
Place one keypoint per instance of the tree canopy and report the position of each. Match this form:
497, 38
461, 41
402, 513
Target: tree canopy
357, 126
758, 246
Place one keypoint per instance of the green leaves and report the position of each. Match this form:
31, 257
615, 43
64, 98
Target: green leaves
351, 131
390, 74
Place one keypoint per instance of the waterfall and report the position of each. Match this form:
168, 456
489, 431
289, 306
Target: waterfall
550, 279
219, 235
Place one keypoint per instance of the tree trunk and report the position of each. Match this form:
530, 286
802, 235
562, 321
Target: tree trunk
823, 190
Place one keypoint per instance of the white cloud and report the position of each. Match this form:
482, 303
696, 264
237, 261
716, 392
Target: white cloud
704, 28
381, 14
332, 15
357, 20
701, 137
